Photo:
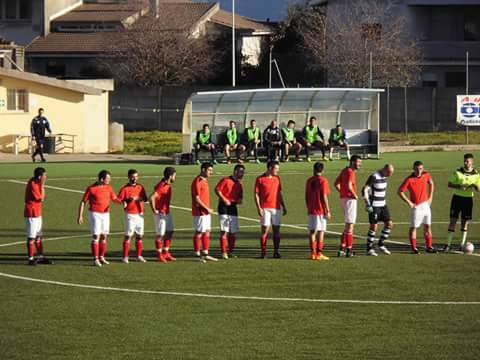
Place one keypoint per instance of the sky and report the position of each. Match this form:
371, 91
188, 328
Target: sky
258, 9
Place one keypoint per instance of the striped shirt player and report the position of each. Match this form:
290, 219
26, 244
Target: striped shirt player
374, 194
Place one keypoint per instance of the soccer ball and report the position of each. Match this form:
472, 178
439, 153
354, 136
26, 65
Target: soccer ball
469, 248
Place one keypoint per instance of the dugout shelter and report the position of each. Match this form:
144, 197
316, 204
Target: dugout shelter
357, 110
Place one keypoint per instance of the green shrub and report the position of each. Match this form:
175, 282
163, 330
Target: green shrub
163, 143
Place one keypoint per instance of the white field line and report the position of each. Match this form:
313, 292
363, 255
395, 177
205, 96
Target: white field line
240, 217
233, 297
237, 297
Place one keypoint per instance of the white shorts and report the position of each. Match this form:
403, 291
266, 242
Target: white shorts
228, 223
99, 223
134, 224
271, 217
163, 224
349, 207
34, 227
421, 214
317, 223
202, 223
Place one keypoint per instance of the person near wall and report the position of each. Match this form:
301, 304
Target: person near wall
273, 139
232, 143
338, 139
290, 142
38, 127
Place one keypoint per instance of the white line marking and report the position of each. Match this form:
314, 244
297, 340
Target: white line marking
237, 297
240, 217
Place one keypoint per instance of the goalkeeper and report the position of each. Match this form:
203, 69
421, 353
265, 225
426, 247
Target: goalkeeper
463, 182
374, 193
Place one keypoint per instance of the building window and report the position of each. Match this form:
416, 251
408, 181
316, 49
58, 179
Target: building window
455, 79
16, 9
17, 100
472, 27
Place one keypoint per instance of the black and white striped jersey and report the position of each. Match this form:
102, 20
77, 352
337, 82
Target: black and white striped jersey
377, 189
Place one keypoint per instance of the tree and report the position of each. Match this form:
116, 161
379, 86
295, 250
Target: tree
339, 37
161, 51
364, 27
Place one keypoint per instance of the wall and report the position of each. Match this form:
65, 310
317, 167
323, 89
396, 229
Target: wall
69, 112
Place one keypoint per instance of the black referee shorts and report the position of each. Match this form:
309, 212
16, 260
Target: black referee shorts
463, 205
379, 214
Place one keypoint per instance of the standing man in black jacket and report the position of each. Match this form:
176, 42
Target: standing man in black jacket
37, 128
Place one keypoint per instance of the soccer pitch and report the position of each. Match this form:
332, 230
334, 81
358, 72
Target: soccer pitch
396, 307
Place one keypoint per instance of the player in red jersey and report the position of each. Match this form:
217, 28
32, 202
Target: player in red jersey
99, 195
230, 194
34, 197
160, 204
316, 198
201, 212
133, 197
420, 185
269, 202
346, 185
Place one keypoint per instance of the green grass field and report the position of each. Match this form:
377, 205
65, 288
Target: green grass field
154, 311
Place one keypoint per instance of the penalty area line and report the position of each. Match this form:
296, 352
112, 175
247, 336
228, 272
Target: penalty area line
236, 297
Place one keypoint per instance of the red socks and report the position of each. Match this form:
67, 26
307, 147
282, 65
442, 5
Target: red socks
263, 243
428, 240
349, 240
139, 247
39, 246
95, 249
343, 240
30, 249
126, 248
167, 244
102, 247
205, 241
413, 243
223, 243
197, 239
313, 247
231, 242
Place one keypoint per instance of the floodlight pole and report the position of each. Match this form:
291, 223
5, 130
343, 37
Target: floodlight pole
270, 68
233, 46
370, 81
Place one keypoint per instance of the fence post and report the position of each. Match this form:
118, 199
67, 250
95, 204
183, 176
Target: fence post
388, 108
406, 110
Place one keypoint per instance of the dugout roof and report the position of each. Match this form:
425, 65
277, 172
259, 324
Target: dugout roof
354, 109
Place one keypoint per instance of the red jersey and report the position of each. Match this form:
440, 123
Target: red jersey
164, 196
33, 199
231, 189
200, 188
128, 192
347, 175
315, 189
418, 186
268, 189
99, 196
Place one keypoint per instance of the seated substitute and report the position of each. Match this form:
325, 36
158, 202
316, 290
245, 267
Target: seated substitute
313, 138
338, 138
252, 139
290, 142
232, 142
203, 141
273, 139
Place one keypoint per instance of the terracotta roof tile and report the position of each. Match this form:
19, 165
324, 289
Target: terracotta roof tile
241, 22
78, 42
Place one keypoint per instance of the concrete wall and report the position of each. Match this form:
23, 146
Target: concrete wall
69, 112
